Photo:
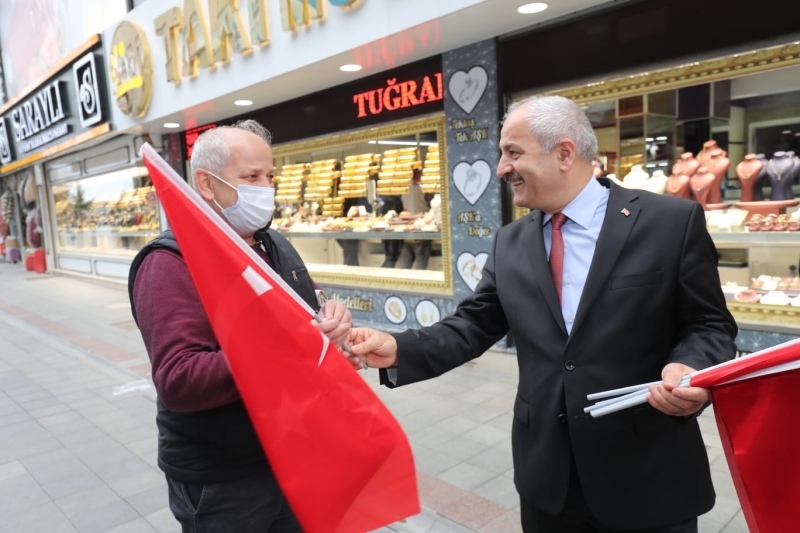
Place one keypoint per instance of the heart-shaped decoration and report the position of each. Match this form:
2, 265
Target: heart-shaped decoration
467, 88
470, 268
471, 180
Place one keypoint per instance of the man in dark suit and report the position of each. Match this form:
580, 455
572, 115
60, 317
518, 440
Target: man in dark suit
601, 287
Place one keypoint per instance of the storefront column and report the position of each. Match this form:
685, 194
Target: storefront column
472, 113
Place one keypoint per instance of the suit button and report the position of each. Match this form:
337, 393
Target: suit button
569, 365
562, 418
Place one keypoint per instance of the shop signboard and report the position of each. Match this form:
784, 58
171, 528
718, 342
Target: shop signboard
64, 106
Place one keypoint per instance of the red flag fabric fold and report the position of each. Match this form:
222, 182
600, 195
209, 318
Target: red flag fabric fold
340, 457
756, 418
757, 421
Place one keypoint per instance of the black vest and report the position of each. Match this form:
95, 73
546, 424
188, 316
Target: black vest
219, 444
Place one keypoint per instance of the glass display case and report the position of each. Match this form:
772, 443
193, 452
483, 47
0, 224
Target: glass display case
114, 213
369, 208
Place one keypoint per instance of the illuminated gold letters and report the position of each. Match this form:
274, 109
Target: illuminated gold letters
259, 23
197, 51
168, 26
227, 30
295, 13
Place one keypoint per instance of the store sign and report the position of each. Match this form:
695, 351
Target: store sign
131, 70
399, 95
190, 137
88, 92
5, 147
191, 43
66, 105
38, 119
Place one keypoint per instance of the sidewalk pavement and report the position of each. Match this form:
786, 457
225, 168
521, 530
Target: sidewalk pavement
78, 437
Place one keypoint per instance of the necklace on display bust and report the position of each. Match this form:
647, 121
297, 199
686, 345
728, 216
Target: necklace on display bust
676, 188
744, 175
779, 174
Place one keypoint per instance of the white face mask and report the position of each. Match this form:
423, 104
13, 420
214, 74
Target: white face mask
253, 208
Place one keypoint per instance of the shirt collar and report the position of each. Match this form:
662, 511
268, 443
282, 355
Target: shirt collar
582, 208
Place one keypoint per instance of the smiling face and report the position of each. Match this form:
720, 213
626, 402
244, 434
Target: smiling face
547, 182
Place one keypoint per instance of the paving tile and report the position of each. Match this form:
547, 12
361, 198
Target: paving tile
709, 526
42, 518
499, 490
135, 484
508, 522
54, 465
724, 510
13, 419
141, 447
465, 476
136, 433
163, 521
140, 525
49, 410
473, 511
12, 469
434, 493
20, 493
104, 517
60, 419
738, 521
493, 460
151, 500
462, 448
46, 401
486, 434
433, 462
81, 502
70, 485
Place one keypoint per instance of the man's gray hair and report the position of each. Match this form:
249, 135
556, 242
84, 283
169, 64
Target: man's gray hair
210, 151
552, 119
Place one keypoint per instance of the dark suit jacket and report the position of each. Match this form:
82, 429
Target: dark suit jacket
652, 297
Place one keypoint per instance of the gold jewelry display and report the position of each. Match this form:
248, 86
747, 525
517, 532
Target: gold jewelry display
744, 175
775, 170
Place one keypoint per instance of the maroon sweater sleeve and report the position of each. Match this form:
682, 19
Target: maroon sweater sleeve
190, 372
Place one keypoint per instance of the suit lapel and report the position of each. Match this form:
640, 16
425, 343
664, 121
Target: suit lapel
534, 246
614, 234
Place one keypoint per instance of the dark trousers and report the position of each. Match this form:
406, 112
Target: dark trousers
251, 505
577, 518
415, 255
391, 248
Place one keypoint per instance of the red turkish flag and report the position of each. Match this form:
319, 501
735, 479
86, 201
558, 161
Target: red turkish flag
340, 457
757, 420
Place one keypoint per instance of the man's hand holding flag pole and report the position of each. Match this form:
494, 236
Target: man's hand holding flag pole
756, 405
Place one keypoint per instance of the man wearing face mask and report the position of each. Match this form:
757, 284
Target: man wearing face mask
218, 476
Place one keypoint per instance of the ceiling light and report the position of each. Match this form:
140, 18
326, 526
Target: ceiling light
662, 138
350, 68
529, 9
649, 139
243, 102
786, 132
171, 125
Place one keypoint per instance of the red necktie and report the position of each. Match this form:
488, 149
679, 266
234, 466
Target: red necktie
557, 252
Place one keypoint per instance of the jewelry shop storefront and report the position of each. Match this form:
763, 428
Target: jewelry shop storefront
722, 130
66, 112
362, 191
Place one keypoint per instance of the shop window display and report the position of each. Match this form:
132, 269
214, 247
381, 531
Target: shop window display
367, 208
722, 143
114, 213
